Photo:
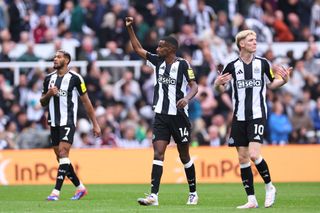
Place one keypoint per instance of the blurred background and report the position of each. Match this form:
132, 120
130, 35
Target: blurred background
120, 85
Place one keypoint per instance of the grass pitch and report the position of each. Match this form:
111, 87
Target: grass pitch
291, 197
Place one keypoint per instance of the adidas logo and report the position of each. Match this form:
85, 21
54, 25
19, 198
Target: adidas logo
60, 177
239, 72
257, 137
185, 140
231, 141
65, 138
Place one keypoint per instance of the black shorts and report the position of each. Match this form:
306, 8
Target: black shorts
62, 133
178, 126
243, 132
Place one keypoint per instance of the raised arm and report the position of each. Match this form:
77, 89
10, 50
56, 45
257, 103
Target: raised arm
134, 40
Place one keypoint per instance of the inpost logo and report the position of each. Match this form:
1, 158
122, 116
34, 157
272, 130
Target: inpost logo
3, 164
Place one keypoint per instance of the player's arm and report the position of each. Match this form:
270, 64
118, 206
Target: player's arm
222, 80
45, 98
134, 40
282, 76
189, 74
90, 111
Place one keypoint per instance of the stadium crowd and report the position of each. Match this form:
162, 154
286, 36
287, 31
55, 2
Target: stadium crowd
94, 30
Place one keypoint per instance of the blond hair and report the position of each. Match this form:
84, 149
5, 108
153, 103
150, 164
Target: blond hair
242, 35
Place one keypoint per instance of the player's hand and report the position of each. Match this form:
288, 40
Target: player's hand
129, 21
53, 91
283, 72
223, 79
182, 103
96, 130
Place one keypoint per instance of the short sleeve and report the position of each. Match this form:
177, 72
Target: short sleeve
80, 85
228, 69
269, 75
153, 58
45, 85
188, 71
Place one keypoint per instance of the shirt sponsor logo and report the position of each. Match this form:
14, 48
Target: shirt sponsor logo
166, 80
62, 92
241, 84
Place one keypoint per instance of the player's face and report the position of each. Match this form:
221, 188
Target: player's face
250, 44
59, 61
163, 49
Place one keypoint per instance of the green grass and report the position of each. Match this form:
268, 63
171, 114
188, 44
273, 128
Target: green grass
291, 197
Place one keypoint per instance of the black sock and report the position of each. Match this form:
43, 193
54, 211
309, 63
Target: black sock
247, 179
72, 176
156, 174
191, 176
264, 171
62, 170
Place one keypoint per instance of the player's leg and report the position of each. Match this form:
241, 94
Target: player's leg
190, 173
239, 139
159, 148
181, 131
256, 136
64, 163
71, 173
247, 177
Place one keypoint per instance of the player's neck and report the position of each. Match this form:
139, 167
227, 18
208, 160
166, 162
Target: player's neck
62, 71
246, 57
171, 58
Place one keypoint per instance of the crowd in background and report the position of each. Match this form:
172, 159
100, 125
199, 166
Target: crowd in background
93, 30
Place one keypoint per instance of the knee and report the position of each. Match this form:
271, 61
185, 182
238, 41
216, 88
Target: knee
184, 158
254, 155
243, 159
63, 153
158, 156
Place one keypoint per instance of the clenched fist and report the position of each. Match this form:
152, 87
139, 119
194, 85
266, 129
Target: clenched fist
129, 21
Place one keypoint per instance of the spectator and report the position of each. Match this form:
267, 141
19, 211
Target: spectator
279, 125
315, 116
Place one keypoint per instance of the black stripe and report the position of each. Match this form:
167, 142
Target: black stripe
70, 104
179, 93
248, 100
235, 88
165, 87
156, 89
263, 69
56, 101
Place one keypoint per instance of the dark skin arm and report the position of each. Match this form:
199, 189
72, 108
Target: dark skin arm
89, 108
44, 100
134, 40
193, 91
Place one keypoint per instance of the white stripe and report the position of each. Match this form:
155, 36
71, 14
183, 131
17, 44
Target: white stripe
172, 89
158, 162
74, 99
241, 92
189, 164
63, 100
184, 90
245, 165
158, 106
64, 161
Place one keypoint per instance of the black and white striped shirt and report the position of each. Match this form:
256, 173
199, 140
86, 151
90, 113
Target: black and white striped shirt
64, 106
249, 87
171, 82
